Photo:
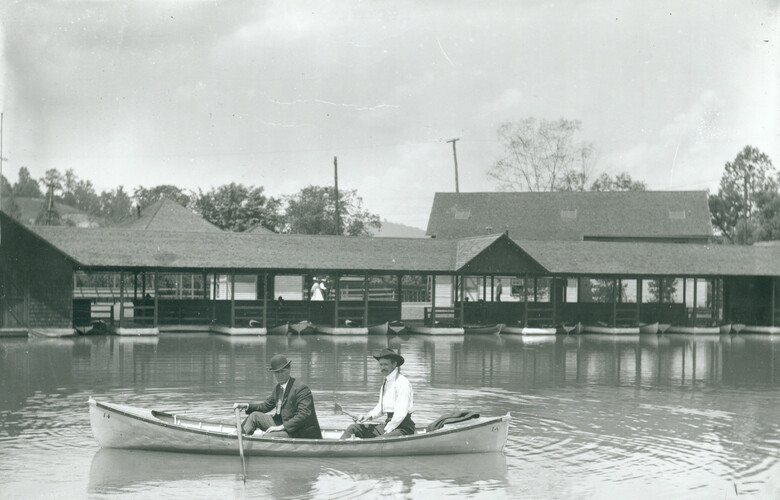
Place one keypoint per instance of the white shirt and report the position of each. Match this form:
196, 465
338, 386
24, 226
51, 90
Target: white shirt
316, 291
397, 398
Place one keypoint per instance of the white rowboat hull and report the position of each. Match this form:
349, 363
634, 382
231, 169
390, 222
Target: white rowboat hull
120, 426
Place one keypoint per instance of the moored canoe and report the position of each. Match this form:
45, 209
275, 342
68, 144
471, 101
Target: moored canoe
121, 426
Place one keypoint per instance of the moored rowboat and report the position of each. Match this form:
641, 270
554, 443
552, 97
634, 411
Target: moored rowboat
121, 426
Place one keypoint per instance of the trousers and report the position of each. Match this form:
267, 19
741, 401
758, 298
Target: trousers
369, 431
258, 420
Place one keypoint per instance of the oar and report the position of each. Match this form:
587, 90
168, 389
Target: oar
338, 410
240, 441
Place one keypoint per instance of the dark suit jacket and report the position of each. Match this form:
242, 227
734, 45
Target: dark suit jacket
298, 415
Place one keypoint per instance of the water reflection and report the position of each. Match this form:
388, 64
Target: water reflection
593, 415
116, 471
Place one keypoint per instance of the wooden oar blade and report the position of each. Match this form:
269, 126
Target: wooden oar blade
337, 409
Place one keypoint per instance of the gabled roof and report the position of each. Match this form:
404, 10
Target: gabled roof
127, 248
167, 215
572, 215
663, 259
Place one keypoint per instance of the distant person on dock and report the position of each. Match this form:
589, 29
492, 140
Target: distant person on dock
395, 400
316, 290
292, 404
499, 291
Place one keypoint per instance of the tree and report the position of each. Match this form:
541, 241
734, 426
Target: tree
741, 186
768, 204
9, 204
146, 196
115, 205
621, 182
313, 211
236, 207
541, 155
26, 186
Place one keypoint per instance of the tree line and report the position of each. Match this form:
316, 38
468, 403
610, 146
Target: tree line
233, 207
536, 155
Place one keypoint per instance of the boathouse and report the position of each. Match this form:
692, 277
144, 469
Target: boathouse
579, 263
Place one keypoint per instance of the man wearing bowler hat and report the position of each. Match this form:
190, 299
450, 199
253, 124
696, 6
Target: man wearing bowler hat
288, 411
395, 400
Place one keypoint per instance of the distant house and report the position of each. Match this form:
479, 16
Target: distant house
663, 216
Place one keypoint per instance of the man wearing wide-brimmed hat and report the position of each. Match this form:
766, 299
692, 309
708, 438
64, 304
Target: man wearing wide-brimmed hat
395, 400
292, 403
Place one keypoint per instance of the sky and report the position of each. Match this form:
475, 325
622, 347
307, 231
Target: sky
204, 93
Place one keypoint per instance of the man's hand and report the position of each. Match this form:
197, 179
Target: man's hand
241, 406
363, 418
274, 428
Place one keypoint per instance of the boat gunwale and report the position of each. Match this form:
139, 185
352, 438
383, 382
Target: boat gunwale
261, 439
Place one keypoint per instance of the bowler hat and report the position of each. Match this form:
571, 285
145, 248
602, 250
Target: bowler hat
279, 362
391, 354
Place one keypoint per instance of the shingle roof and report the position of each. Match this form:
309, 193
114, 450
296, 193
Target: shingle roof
167, 215
572, 215
641, 258
111, 247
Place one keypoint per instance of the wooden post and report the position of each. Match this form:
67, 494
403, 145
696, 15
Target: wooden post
615, 296
685, 299
143, 285
400, 296
265, 299
135, 285
337, 292
638, 299
121, 298
774, 300
365, 301
433, 300
525, 301
695, 303
660, 290
232, 299
484, 288
492, 288
156, 308
554, 302
462, 300
214, 298
205, 285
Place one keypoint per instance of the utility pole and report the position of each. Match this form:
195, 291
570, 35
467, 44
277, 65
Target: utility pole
336, 178
2, 159
455, 156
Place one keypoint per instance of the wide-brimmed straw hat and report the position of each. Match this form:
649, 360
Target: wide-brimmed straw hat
391, 354
279, 362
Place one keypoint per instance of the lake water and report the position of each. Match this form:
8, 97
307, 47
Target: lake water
593, 416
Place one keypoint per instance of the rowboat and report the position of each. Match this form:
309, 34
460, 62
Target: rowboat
380, 329
662, 327
302, 327
483, 329
436, 330
694, 330
737, 327
528, 330
725, 329
341, 330
282, 329
567, 329
122, 426
612, 330
651, 328
396, 327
